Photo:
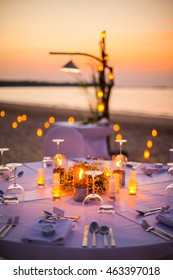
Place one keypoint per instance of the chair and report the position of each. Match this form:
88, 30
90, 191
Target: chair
73, 145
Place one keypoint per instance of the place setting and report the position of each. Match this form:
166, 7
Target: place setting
93, 230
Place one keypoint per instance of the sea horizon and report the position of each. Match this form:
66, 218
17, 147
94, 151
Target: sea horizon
143, 101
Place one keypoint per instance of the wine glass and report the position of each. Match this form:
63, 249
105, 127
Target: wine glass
121, 141
93, 196
3, 168
119, 163
169, 188
58, 141
15, 188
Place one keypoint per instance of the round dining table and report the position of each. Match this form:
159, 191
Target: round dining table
132, 242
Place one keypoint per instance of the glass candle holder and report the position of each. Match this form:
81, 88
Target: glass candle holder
79, 176
59, 162
119, 167
132, 187
116, 177
40, 177
56, 188
112, 189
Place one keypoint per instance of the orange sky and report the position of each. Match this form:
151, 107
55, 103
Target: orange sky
139, 38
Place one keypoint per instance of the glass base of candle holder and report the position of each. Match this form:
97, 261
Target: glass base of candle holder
17, 190
93, 197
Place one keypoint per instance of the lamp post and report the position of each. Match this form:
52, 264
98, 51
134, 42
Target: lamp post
105, 82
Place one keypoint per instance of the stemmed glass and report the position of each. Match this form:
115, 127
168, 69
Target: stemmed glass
119, 163
58, 141
15, 187
121, 141
4, 169
93, 195
169, 188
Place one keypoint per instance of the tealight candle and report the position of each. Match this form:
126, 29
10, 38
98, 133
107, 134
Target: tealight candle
132, 188
56, 188
40, 178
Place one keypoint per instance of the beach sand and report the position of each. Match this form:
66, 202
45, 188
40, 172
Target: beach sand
26, 146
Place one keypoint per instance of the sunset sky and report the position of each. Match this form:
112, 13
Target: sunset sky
139, 39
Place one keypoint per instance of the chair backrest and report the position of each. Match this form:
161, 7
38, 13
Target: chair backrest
73, 145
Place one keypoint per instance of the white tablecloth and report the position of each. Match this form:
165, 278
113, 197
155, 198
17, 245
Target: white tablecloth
132, 241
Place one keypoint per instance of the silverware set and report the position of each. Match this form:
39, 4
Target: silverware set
94, 228
52, 216
8, 226
155, 230
153, 211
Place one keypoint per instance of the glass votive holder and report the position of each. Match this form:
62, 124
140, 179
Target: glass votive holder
119, 166
56, 187
112, 189
59, 162
132, 186
40, 177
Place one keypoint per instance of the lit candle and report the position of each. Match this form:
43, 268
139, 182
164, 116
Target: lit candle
56, 189
40, 178
111, 189
132, 188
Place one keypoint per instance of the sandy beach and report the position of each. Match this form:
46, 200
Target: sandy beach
26, 146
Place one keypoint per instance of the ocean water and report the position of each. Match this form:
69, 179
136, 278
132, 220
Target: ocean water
157, 102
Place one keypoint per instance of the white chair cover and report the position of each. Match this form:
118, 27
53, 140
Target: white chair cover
73, 145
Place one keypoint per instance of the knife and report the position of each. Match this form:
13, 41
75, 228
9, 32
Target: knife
85, 237
113, 243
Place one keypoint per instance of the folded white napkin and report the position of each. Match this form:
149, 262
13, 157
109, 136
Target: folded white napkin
35, 233
166, 218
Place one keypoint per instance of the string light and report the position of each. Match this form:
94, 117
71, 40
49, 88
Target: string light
146, 154
51, 120
119, 136
149, 144
39, 132
154, 132
116, 127
70, 120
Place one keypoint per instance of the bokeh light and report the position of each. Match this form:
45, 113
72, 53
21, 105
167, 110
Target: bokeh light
146, 154
46, 125
2, 113
154, 132
119, 136
19, 119
101, 107
149, 144
39, 132
70, 120
51, 119
116, 127
14, 125
24, 117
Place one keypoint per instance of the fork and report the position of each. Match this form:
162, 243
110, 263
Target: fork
9, 222
158, 229
13, 224
149, 228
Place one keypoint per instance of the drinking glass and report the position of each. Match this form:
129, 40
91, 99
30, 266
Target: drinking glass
4, 170
169, 188
15, 188
93, 196
58, 141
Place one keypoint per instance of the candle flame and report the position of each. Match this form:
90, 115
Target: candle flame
81, 173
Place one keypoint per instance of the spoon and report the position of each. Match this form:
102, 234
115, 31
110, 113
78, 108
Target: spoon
94, 227
20, 174
54, 216
104, 230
